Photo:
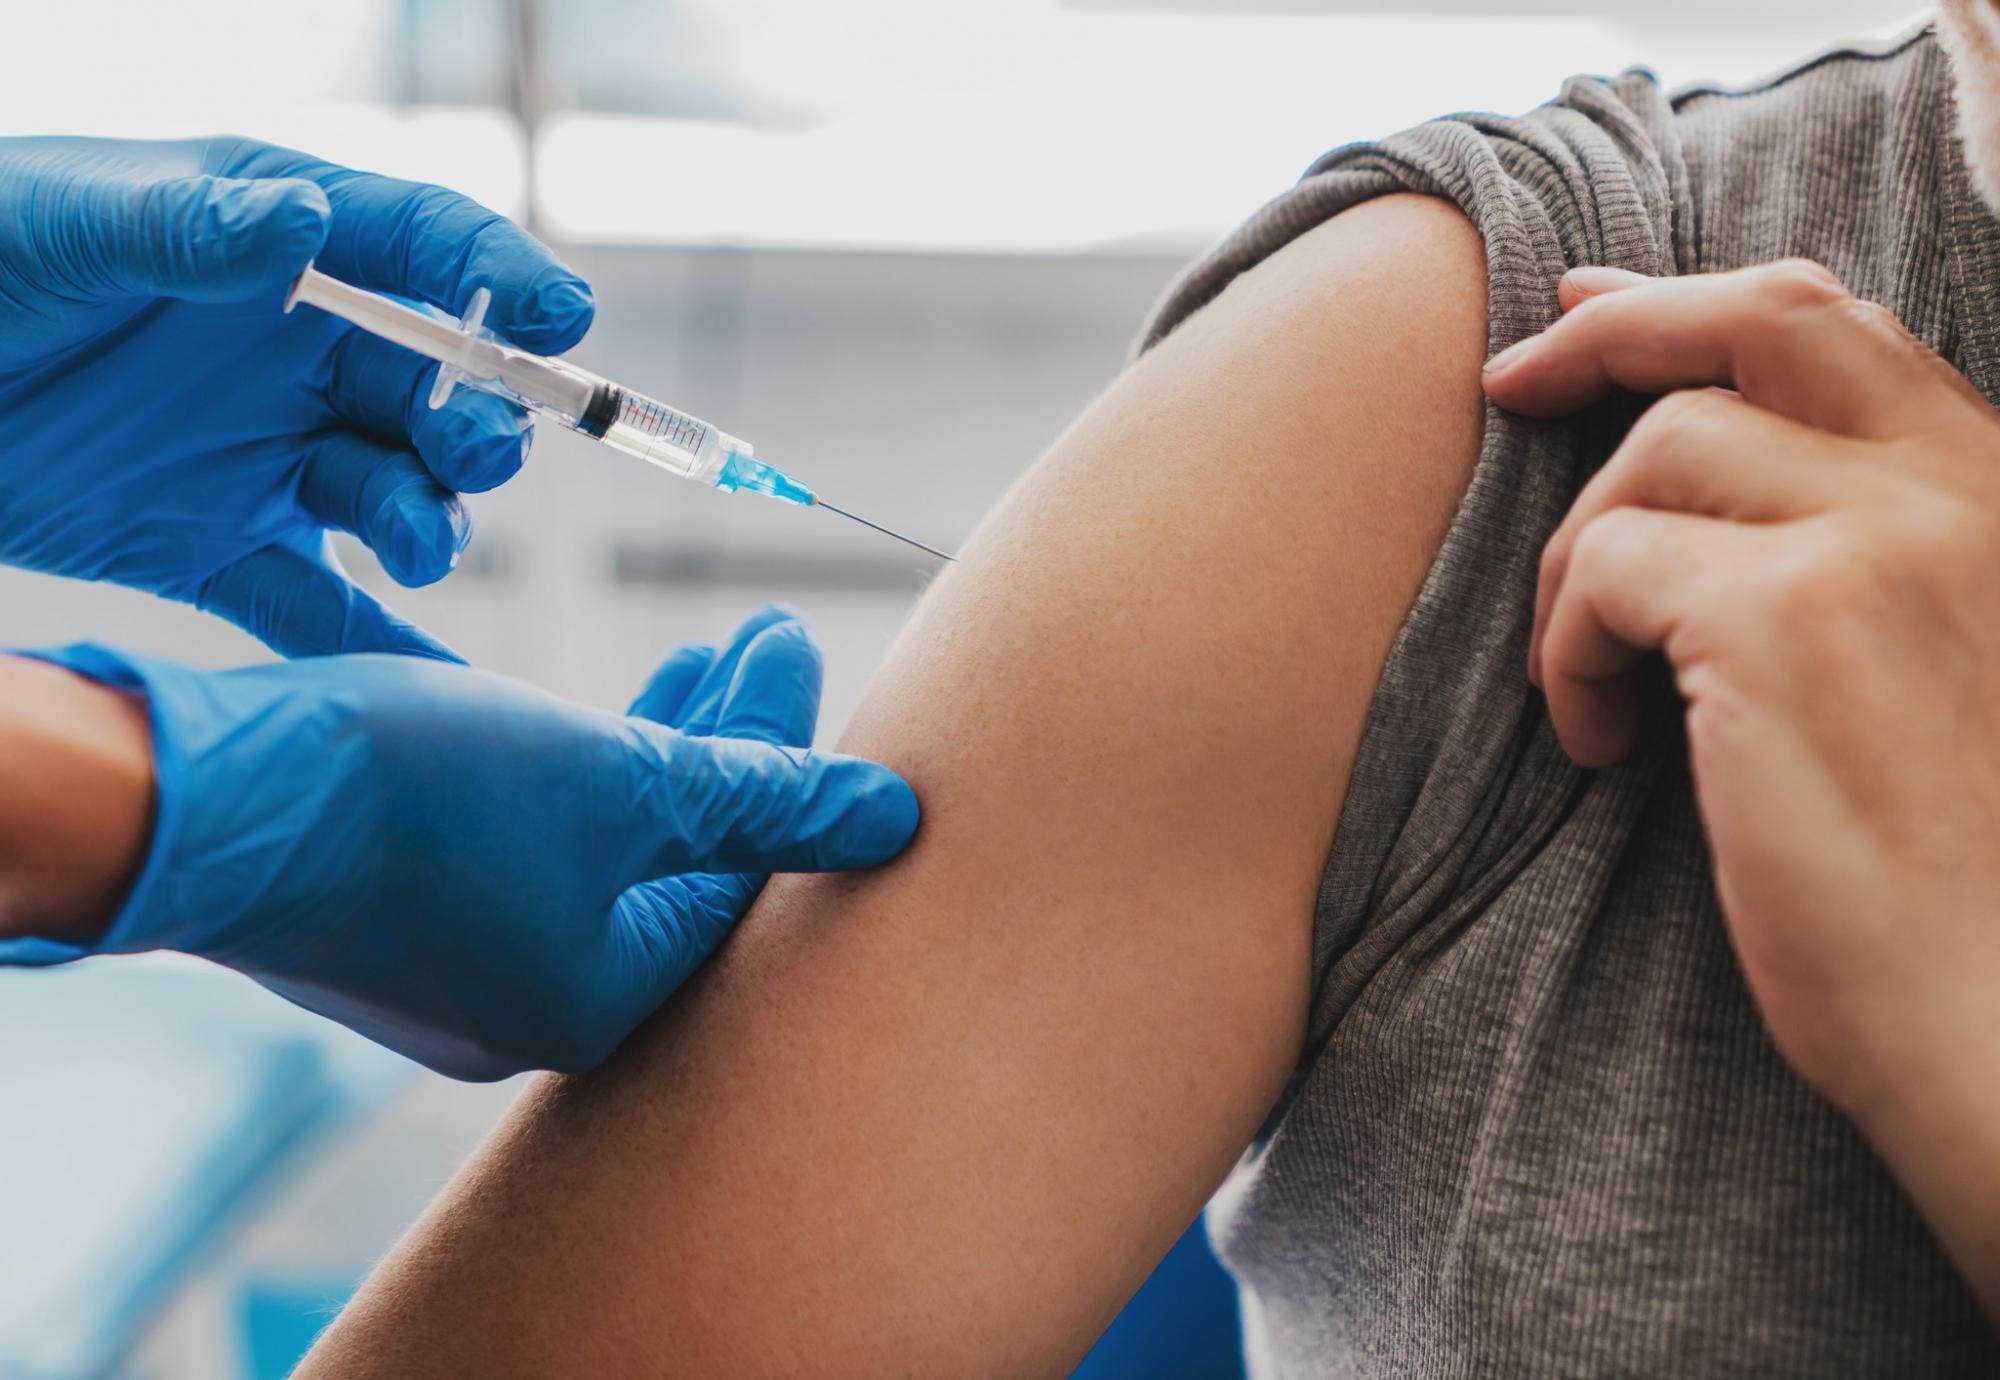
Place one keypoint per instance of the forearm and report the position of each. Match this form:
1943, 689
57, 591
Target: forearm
76, 800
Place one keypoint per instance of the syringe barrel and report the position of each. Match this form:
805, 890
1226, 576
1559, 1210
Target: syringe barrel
658, 434
627, 421
553, 386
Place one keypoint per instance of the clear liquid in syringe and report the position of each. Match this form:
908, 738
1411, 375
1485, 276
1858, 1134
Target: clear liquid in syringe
658, 434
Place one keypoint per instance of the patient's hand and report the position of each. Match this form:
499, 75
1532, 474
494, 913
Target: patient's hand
941, 1119
1807, 525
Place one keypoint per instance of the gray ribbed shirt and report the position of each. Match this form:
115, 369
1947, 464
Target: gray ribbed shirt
1537, 1128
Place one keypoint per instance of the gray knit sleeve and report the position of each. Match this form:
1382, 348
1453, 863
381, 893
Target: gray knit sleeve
1458, 778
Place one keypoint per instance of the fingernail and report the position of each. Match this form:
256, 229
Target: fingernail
1593, 279
1509, 356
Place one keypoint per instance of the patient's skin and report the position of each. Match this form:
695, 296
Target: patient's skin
943, 1118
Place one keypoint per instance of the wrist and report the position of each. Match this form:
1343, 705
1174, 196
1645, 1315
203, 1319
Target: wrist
1931, 1078
77, 800
1936, 1125
1940, 1062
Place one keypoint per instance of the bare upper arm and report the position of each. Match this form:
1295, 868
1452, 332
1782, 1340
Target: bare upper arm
942, 1118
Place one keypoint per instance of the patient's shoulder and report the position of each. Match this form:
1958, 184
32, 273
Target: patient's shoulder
1348, 359
1403, 271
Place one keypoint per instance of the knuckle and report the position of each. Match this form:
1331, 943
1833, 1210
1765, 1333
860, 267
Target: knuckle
1948, 530
1872, 318
226, 152
1673, 423
1818, 585
430, 204
1590, 311
1791, 283
1605, 318
432, 216
1605, 543
1901, 553
1799, 588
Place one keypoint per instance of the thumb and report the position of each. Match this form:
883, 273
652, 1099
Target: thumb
206, 239
735, 805
301, 604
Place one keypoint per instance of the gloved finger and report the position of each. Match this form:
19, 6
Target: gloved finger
106, 233
657, 934
774, 695
384, 495
667, 691
702, 709
666, 929
300, 603
473, 443
711, 902
433, 244
38, 953
735, 805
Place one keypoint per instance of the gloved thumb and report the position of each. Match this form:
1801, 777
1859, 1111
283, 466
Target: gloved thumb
207, 239
737, 805
301, 603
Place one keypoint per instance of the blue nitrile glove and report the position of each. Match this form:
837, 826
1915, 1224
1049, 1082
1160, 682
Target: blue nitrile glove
465, 869
165, 425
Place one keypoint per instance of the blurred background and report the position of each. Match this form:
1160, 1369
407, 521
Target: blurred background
896, 244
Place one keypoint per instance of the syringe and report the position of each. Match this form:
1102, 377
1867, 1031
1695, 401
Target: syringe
633, 423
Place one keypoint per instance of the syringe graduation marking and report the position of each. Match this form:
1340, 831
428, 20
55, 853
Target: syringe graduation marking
664, 424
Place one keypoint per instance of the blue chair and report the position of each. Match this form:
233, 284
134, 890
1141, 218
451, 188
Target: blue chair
1181, 1325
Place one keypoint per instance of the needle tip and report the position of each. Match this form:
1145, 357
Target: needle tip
885, 531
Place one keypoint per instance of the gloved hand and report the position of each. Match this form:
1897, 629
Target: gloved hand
465, 869
165, 425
